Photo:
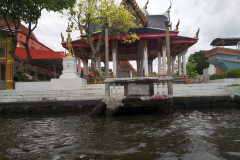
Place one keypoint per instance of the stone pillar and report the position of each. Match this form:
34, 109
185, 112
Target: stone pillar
150, 67
85, 72
164, 60
145, 54
184, 63
179, 64
114, 56
79, 67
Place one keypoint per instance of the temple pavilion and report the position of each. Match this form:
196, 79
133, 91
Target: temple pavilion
151, 46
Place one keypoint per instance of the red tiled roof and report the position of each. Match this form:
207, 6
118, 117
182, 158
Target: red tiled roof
39, 54
21, 27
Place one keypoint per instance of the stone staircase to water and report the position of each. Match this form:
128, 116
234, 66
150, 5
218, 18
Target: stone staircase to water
97, 92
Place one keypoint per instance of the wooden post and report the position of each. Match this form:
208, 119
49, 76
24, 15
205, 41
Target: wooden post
106, 52
168, 47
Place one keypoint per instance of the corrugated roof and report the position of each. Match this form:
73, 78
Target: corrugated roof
225, 41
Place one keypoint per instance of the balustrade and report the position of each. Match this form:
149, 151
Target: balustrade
138, 87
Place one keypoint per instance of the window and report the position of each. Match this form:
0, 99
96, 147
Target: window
2, 52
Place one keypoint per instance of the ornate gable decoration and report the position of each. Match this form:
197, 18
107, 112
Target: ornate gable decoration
143, 17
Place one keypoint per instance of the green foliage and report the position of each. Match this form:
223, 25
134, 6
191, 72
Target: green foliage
191, 69
90, 69
24, 78
231, 73
28, 11
200, 60
110, 70
101, 13
232, 85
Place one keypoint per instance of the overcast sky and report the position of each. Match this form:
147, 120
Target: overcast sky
215, 18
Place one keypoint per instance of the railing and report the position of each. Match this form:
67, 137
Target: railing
138, 87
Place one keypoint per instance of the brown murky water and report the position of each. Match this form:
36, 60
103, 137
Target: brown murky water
190, 135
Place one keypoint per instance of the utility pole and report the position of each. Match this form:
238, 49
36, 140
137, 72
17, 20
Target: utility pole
106, 52
167, 25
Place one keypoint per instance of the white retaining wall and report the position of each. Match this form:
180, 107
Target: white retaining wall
55, 84
226, 80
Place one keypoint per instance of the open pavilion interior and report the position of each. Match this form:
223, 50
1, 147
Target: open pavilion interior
151, 46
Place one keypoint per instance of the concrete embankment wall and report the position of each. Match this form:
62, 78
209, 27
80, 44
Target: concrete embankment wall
76, 107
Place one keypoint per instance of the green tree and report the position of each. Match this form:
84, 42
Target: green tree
191, 69
100, 13
200, 60
28, 11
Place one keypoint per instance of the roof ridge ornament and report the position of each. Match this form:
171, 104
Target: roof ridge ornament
141, 14
177, 26
197, 32
170, 6
145, 8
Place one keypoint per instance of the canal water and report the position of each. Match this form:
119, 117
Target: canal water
208, 134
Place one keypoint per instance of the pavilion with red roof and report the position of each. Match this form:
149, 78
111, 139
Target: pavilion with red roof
151, 46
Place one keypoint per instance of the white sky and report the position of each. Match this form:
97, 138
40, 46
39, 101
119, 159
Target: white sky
215, 18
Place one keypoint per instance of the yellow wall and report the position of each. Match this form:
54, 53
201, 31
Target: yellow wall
8, 60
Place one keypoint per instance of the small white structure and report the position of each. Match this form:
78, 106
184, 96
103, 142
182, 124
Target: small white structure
207, 72
69, 68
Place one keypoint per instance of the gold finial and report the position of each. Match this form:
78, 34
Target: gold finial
177, 25
69, 43
62, 37
198, 32
170, 6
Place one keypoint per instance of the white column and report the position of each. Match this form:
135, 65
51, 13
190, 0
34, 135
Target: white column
179, 64
117, 59
114, 56
184, 63
79, 67
145, 54
164, 51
